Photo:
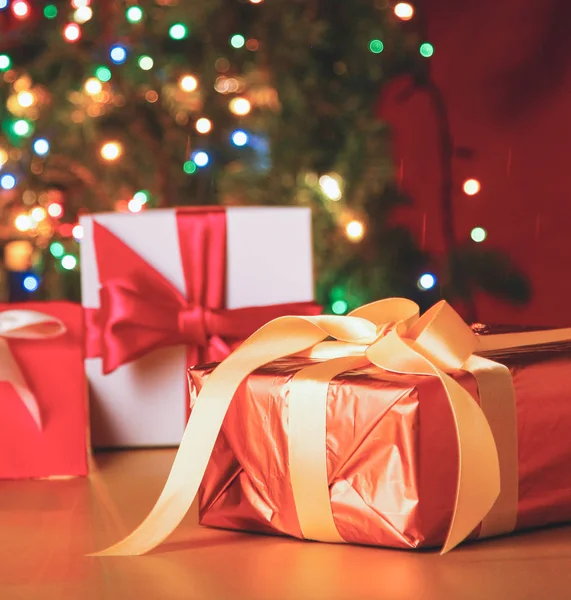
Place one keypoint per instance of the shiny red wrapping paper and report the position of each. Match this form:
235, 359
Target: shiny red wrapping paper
392, 455
53, 370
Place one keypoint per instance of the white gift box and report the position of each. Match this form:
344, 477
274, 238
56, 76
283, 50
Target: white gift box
268, 262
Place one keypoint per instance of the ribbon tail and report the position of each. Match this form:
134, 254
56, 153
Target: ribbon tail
497, 400
284, 336
478, 484
30, 402
10, 372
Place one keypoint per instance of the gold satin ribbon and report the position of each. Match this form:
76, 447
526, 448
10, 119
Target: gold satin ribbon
390, 335
24, 325
307, 439
497, 401
437, 343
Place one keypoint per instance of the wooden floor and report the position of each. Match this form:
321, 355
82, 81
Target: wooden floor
47, 527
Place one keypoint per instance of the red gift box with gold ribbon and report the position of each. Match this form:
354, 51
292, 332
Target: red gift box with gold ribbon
399, 430
43, 392
399, 494
167, 289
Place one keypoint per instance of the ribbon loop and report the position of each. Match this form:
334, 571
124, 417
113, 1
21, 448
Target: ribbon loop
24, 325
141, 311
29, 325
397, 310
442, 336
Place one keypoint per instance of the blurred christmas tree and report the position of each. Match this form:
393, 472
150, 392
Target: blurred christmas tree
131, 106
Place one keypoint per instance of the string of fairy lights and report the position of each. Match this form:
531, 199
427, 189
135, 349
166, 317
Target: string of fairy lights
405, 12
332, 186
24, 103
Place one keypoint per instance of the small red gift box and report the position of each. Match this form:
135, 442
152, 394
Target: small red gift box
43, 429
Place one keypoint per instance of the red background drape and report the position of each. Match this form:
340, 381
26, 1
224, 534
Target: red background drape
504, 69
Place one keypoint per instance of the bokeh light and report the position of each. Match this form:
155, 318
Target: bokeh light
426, 281
239, 138
50, 11
57, 250
93, 86
141, 196
203, 125
188, 83
426, 50
330, 187
134, 205
5, 62
38, 214
134, 14
376, 46
118, 54
339, 307
146, 63
404, 11
200, 158
471, 187
103, 73
21, 9
240, 106
237, 40
111, 151
21, 128
69, 262
178, 31
189, 167
478, 234
22, 223
8, 181
72, 32
355, 231
31, 283
82, 14
55, 210
26, 99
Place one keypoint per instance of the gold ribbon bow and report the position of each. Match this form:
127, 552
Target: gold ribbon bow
24, 325
390, 335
